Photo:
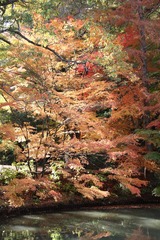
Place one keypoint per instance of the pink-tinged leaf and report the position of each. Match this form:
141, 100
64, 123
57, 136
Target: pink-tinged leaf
134, 190
56, 195
155, 124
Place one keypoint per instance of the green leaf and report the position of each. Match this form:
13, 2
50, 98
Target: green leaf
151, 136
156, 191
155, 156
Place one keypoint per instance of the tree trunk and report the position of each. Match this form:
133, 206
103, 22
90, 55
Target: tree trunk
143, 44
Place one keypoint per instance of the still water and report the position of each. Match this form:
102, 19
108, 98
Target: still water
122, 224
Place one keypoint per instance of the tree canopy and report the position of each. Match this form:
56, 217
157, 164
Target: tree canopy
79, 85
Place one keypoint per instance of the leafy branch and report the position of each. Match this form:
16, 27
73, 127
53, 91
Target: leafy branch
71, 62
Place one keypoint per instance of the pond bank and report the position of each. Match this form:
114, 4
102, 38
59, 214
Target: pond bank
80, 204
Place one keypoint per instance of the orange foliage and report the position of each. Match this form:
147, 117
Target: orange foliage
129, 38
70, 117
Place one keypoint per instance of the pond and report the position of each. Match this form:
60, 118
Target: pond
113, 224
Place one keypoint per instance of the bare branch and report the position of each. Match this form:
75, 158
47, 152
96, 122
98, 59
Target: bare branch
152, 10
46, 47
7, 2
5, 40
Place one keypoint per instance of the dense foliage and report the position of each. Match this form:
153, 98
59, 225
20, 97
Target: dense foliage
79, 107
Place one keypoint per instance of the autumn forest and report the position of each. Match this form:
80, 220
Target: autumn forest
79, 102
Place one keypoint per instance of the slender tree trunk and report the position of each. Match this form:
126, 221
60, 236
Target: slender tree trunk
143, 44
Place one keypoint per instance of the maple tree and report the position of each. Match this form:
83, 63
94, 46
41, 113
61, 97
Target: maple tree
140, 22
76, 109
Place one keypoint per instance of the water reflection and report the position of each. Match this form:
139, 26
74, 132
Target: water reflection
123, 224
